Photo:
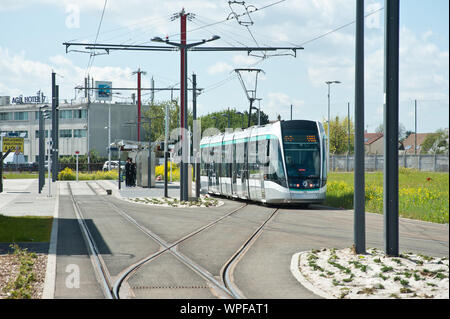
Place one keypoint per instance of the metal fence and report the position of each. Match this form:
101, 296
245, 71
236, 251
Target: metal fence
33, 167
427, 163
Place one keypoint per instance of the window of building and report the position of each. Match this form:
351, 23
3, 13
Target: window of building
79, 133
36, 134
23, 134
80, 114
20, 116
65, 114
6, 116
65, 133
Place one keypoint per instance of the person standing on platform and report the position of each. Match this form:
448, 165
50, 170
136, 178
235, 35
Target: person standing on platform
133, 173
128, 175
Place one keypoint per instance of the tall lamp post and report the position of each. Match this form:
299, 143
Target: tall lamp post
328, 124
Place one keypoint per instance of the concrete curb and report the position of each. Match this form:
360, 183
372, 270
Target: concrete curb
295, 261
50, 273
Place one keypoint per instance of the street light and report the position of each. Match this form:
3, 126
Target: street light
214, 118
328, 125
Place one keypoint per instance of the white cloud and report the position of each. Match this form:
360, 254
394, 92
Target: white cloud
219, 67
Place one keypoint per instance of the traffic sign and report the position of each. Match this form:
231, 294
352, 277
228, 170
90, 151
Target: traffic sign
77, 152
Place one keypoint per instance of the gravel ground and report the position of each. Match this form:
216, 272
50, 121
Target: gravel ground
343, 274
9, 269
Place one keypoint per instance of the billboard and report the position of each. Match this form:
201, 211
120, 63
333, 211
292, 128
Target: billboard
15, 144
104, 92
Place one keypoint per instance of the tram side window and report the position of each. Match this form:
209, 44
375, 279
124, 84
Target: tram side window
275, 169
239, 151
252, 157
228, 158
204, 161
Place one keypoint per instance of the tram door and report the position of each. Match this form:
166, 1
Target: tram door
234, 172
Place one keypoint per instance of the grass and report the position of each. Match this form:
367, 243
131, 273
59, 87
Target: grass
21, 175
422, 195
25, 229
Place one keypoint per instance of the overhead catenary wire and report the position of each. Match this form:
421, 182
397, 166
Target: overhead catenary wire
92, 56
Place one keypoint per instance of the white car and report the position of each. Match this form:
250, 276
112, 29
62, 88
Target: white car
114, 165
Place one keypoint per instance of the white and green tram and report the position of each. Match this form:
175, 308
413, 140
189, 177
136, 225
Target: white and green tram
279, 163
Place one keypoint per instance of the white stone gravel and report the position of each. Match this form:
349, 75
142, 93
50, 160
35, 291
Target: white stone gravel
333, 273
175, 203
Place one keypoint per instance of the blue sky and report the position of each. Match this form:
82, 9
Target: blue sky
33, 32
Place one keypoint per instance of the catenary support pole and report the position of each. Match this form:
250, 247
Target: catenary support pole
195, 129
52, 136
359, 194
391, 110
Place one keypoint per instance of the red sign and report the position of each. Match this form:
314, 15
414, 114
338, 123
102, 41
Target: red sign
77, 152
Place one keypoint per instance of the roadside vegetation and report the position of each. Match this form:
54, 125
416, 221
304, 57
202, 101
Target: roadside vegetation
422, 195
69, 175
23, 281
25, 229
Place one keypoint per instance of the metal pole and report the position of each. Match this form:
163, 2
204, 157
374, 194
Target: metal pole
328, 129
55, 163
77, 166
139, 105
194, 115
41, 151
49, 165
53, 131
109, 137
415, 127
391, 110
359, 193
291, 112
166, 147
149, 160
119, 183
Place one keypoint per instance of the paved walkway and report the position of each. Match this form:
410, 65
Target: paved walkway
20, 197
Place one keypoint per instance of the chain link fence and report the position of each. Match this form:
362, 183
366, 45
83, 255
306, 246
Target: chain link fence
426, 163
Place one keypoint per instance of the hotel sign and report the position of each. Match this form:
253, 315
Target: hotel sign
36, 99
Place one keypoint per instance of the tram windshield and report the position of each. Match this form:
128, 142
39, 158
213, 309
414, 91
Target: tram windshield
301, 152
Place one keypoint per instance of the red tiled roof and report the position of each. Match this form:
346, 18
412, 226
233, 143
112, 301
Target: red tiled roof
369, 138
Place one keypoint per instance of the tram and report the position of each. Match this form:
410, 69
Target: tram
279, 163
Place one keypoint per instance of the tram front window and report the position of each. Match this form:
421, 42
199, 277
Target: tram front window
302, 156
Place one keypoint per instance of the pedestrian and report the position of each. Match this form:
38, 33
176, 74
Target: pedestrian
128, 174
133, 173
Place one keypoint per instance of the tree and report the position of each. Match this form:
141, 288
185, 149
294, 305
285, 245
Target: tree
402, 132
220, 121
339, 135
436, 143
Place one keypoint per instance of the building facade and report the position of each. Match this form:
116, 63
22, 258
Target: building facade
82, 127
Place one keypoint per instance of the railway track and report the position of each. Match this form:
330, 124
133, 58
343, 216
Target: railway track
223, 287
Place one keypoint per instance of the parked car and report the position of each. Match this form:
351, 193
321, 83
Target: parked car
114, 165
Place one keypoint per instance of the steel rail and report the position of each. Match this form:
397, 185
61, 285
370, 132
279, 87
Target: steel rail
227, 269
98, 265
167, 247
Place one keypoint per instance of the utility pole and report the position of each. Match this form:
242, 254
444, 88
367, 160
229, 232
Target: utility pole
139, 73
348, 128
196, 133
415, 127
291, 112
328, 126
359, 221
391, 111
183, 47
